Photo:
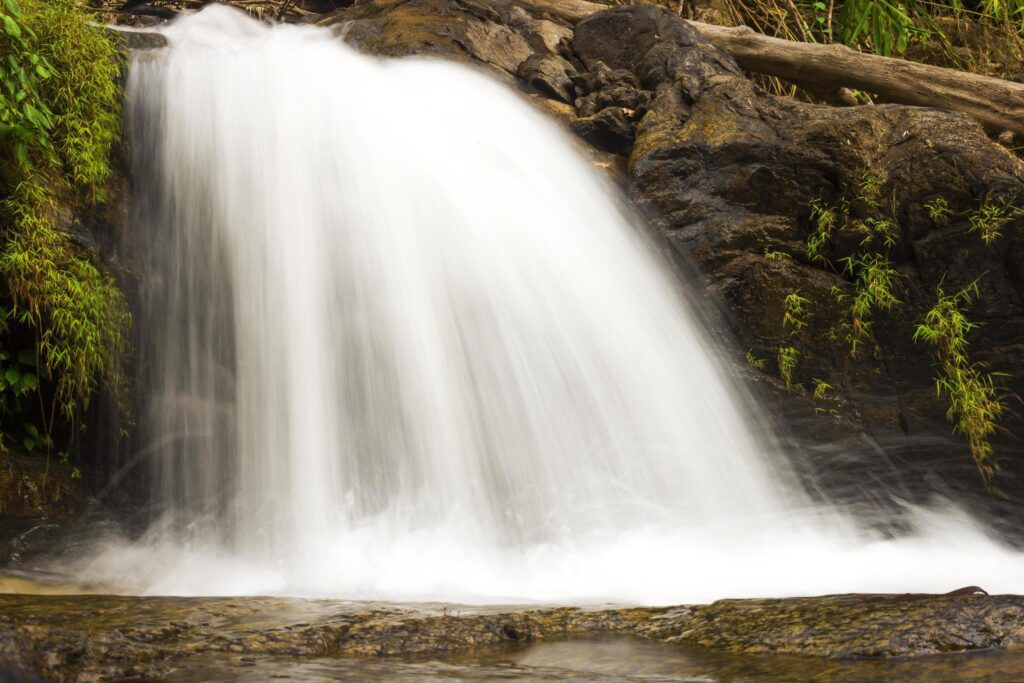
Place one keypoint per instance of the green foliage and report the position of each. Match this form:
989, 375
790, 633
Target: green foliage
79, 314
883, 26
1000, 10
795, 312
773, 255
892, 28
871, 189
821, 389
875, 230
66, 69
83, 93
992, 216
874, 281
938, 210
825, 218
755, 362
787, 360
25, 117
870, 271
976, 402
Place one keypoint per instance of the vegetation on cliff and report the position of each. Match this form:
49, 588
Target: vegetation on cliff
63, 322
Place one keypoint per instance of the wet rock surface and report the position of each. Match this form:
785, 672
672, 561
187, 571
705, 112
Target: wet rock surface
730, 175
81, 637
34, 486
86, 637
847, 626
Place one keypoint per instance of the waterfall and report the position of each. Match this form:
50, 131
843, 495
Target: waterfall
400, 340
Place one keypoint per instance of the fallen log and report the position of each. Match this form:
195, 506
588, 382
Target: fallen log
997, 104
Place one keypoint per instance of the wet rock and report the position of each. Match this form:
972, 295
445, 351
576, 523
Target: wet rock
84, 637
610, 130
848, 626
139, 40
730, 173
457, 29
33, 486
70, 638
549, 75
544, 36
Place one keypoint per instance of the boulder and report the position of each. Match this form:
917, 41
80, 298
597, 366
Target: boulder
730, 176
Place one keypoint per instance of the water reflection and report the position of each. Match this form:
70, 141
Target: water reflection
615, 658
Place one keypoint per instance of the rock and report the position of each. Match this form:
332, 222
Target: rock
543, 35
89, 637
549, 75
609, 130
457, 29
85, 637
139, 40
730, 175
847, 626
34, 486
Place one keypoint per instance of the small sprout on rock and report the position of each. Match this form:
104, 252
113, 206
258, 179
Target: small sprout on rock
795, 316
825, 218
773, 255
938, 210
787, 363
991, 217
874, 281
876, 228
755, 362
870, 188
821, 389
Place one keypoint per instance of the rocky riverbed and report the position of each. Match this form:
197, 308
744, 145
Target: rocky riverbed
102, 637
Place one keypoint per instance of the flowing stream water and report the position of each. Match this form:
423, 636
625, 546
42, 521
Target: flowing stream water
401, 341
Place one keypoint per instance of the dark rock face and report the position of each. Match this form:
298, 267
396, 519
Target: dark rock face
30, 486
550, 75
730, 174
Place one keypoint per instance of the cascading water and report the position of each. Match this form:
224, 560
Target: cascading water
402, 342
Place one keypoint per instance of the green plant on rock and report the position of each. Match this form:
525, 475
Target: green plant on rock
755, 362
874, 284
795, 313
821, 389
787, 359
938, 210
869, 271
825, 219
874, 230
870, 187
976, 402
992, 216
59, 119
775, 255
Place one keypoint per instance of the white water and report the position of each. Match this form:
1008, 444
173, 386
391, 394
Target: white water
404, 343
